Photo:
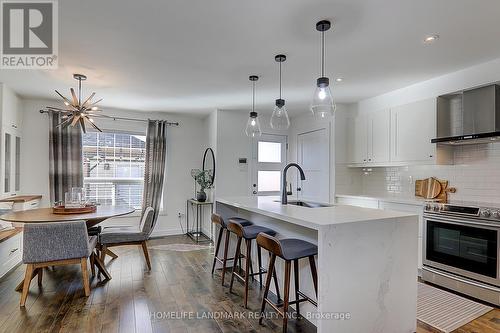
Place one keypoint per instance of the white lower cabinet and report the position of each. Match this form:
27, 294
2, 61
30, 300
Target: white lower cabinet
10, 253
375, 203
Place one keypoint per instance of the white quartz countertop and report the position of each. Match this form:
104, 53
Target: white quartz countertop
394, 199
314, 218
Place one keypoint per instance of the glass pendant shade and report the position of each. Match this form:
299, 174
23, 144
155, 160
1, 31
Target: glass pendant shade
280, 119
253, 126
322, 105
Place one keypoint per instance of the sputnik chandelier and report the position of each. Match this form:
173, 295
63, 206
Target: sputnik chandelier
76, 111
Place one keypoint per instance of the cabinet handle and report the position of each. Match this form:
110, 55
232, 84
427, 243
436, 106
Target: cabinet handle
14, 126
369, 160
14, 250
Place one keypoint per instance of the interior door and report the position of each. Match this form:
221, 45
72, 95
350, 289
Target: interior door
269, 159
313, 155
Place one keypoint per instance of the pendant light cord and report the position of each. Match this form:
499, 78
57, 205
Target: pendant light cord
280, 79
79, 91
253, 96
322, 54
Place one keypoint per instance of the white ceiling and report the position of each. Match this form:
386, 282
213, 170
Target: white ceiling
195, 55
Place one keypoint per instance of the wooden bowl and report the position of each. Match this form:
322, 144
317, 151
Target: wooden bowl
74, 210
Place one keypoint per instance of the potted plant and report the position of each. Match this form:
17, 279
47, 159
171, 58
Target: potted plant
204, 179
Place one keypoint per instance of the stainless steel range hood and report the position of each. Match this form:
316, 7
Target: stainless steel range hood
469, 117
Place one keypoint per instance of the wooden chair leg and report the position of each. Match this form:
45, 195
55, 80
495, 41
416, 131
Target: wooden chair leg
224, 260
248, 260
26, 285
286, 297
216, 253
259, 261
296, 280
85, 277
40, 276
111, 254
266, 288
146, 254
235, 261
314, 273
103, 252
275, 278
101, 268
92, 263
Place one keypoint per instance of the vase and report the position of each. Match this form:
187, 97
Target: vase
201, 196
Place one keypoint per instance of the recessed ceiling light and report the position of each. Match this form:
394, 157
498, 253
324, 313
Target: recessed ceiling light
339, 79
431, 39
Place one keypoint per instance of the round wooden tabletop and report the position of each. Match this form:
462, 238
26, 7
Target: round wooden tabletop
40, 215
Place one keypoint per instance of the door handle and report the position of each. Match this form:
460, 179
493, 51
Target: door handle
254, 192
299, 189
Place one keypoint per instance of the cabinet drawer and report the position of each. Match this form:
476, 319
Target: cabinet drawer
10, 253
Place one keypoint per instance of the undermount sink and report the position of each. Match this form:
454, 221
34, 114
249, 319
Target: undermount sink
306, 204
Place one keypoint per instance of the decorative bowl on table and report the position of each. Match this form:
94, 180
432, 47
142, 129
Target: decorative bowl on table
61, 209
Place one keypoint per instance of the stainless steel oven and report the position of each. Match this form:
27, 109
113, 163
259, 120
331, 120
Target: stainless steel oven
462, 249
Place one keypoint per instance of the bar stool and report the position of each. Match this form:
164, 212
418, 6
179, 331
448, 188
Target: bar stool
249, 233
217, 219
290, 250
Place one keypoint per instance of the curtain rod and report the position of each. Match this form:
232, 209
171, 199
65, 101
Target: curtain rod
169, 123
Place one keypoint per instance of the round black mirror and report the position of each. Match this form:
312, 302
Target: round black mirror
209, 162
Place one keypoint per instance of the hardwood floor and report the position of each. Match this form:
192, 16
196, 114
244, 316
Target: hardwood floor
179, 282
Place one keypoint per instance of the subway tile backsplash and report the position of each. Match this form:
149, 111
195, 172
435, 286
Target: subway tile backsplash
475, 174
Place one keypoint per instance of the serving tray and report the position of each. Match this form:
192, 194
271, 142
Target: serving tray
74, 210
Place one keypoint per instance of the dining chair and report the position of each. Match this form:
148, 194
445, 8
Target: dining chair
56, 244
128, 235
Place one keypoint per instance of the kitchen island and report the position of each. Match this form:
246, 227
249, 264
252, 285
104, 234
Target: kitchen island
367, 261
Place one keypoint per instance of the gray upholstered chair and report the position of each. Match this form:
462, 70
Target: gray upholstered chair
128, 235
55, 244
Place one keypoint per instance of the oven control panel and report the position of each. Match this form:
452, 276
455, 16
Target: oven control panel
464, 211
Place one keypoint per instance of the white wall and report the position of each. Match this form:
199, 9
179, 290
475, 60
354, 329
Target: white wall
185, 146
475, 172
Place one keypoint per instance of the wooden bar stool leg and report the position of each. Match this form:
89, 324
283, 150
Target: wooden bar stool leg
217, 249
248, 261
236, 256
314, 273
266, 288
259, 260
296, 279
224, 260
286, 298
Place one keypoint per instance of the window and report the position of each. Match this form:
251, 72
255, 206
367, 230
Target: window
113, 168
269, 157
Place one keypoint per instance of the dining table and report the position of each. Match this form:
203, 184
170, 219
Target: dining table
47, 215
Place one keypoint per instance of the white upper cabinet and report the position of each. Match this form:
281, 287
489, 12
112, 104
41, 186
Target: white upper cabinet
414, 126
371, 138
398, 136
10, 143
379, 136
359, 149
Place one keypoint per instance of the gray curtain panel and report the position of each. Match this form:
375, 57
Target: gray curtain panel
65, 158
156, 153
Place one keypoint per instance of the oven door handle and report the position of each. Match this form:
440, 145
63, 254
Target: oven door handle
460, 279
459, 221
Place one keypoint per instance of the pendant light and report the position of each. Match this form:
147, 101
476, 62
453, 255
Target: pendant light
322, 105
253, 125
279, 119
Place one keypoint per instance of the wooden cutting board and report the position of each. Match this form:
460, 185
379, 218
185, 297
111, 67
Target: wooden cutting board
429, 188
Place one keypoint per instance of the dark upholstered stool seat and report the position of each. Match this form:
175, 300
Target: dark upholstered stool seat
239, 220
251, 232
217, 219
293, 248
